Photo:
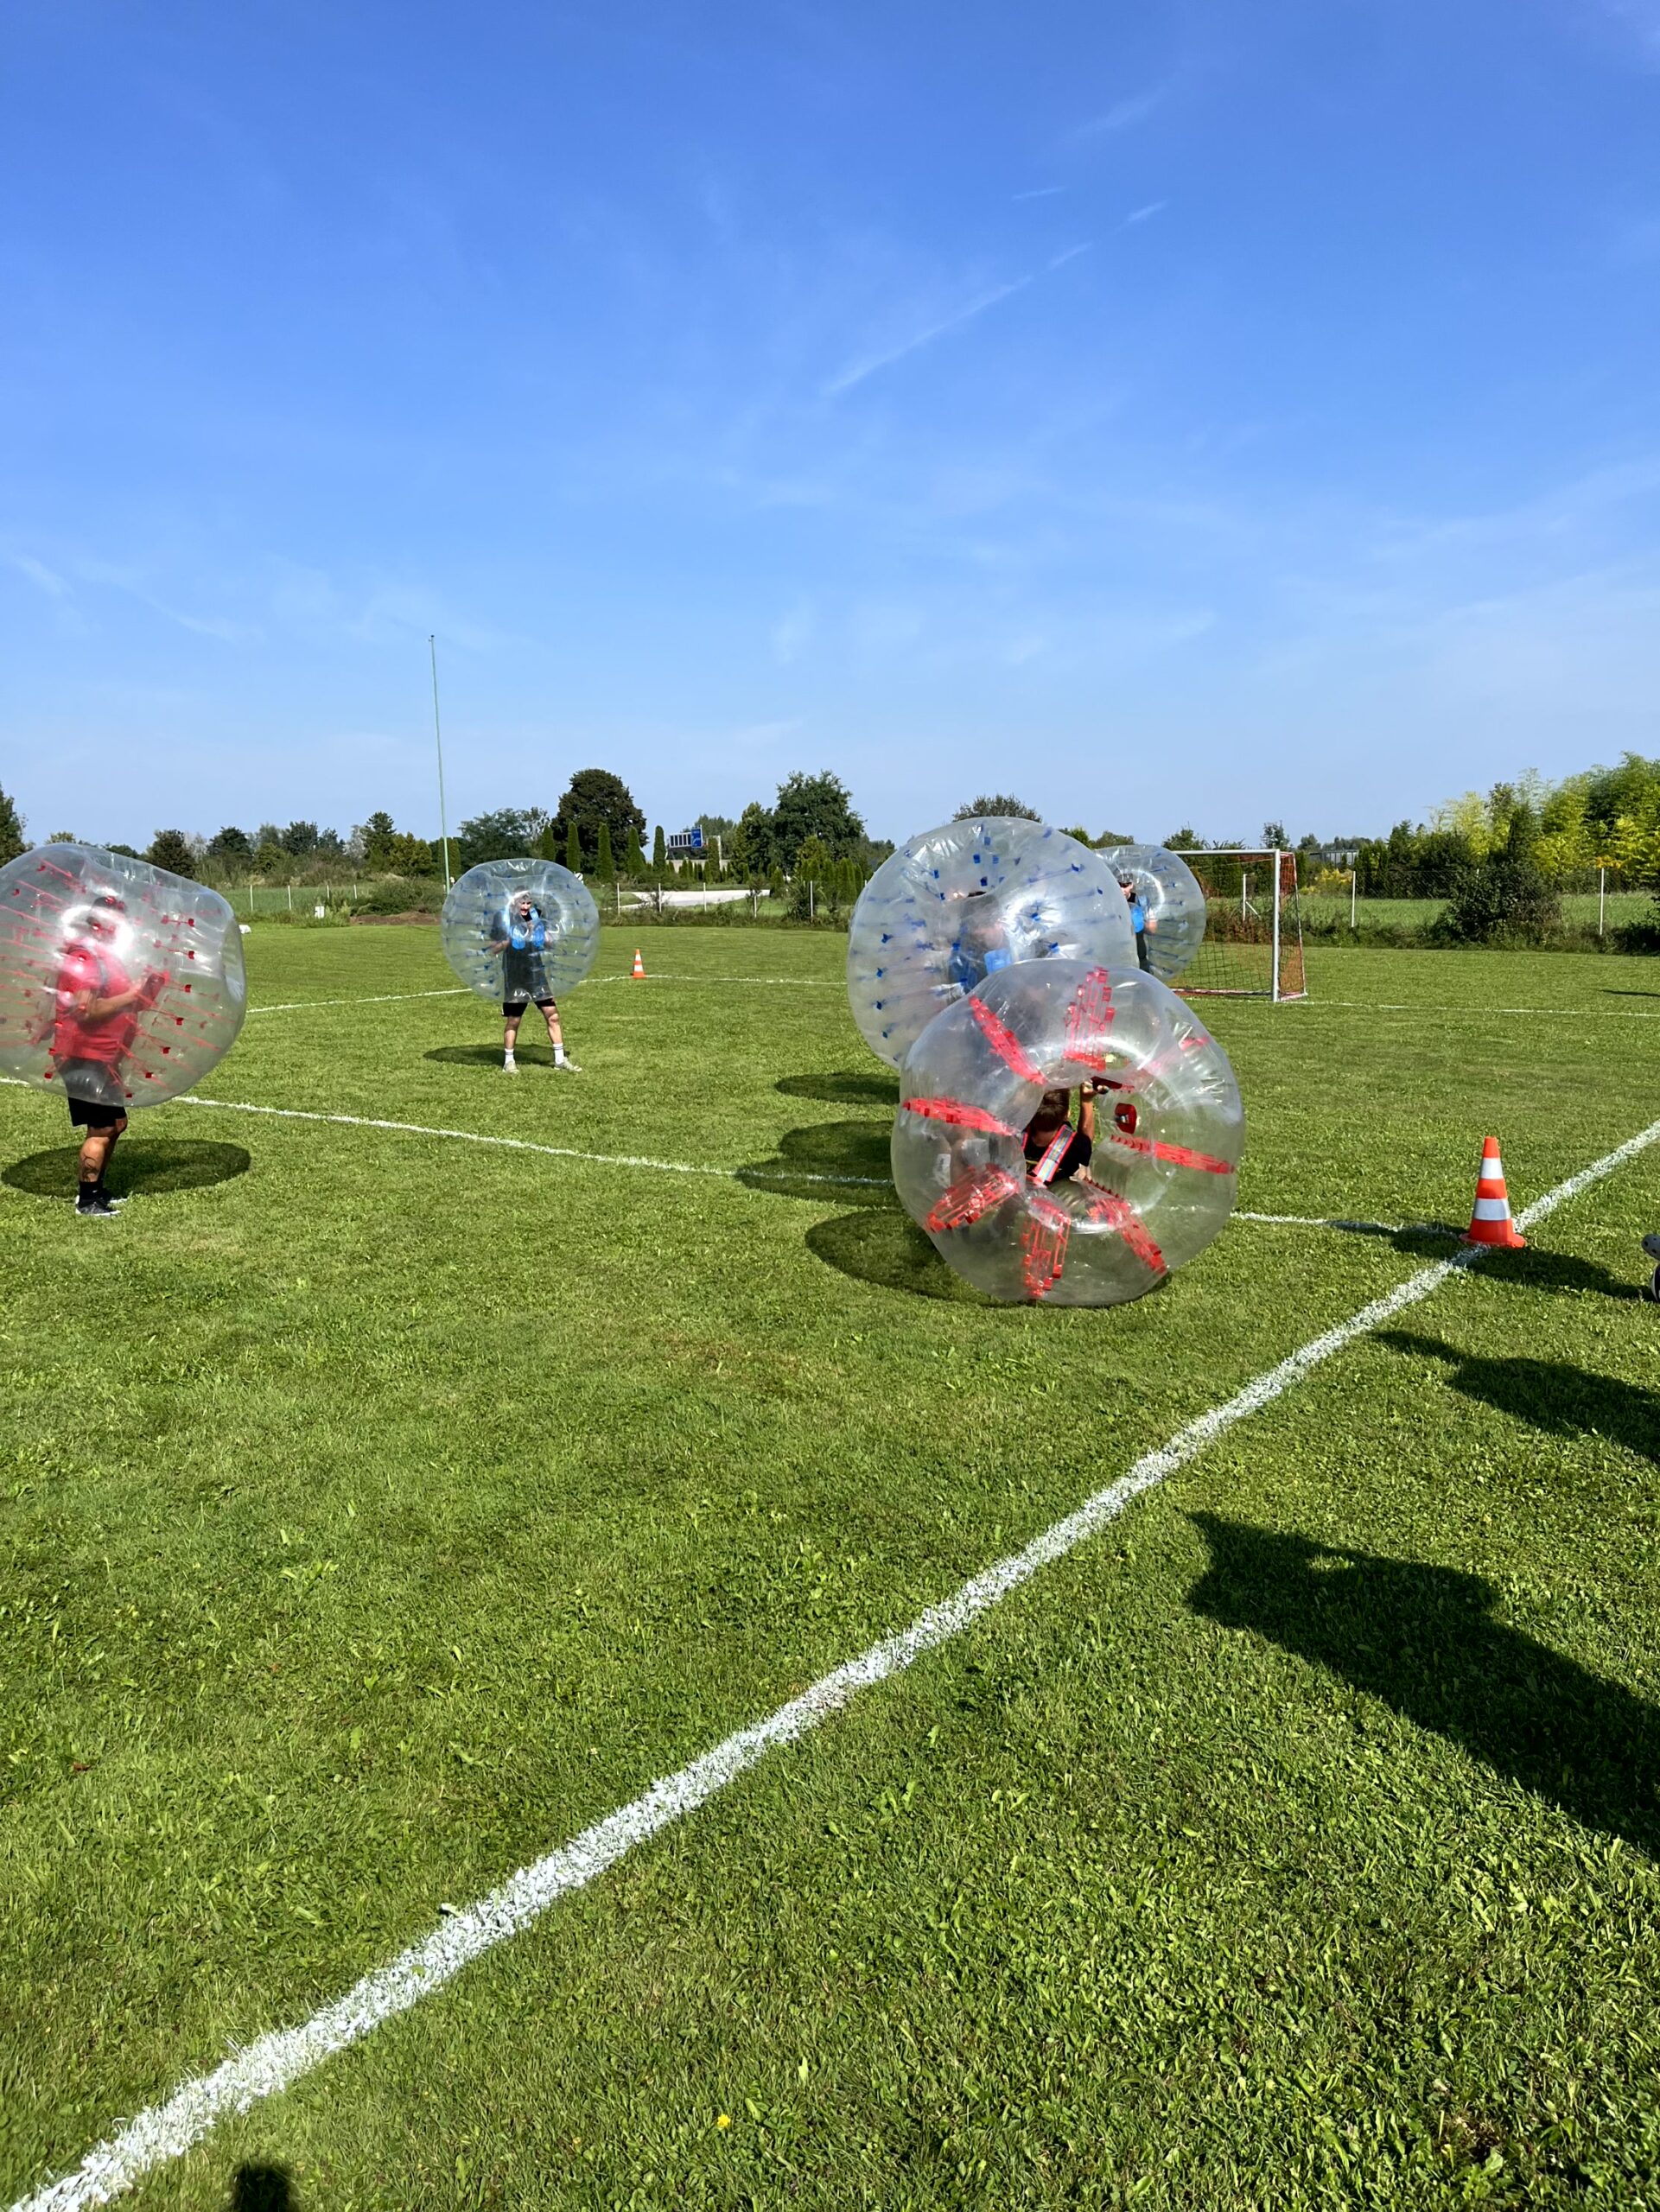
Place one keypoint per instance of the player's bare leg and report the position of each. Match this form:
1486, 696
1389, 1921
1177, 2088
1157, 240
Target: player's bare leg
509, 1039
556, 1037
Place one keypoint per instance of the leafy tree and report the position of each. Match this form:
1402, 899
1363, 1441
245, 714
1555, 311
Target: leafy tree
371, 838
775, 882
269, 833
1505, 899
127, 852
1276, 833
753, 843
299, 840
814, 868
605, 867
814, 806
170, 848
11, 830
660, 850
231, 849
508, 834
271, 860
596, 796
573, 849
999, 803
63, 837
1184, 839
717, 826
634, 857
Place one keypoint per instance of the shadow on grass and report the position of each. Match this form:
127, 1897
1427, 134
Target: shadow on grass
261, 2189
862, 1087
1562, 1400
1534, 1270
884, 1246
141, 1167
1609, 992
489, 1056
835, 1162
1424, 1640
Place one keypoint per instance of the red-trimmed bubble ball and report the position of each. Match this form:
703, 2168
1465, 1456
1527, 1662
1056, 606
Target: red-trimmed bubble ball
992, 1158
79, 928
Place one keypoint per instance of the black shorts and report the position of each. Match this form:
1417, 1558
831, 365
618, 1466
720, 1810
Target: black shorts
514, 1007
95, 1098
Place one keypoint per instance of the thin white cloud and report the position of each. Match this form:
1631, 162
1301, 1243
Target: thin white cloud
1143, 214
1042, 192
1641, 18
48, 580
867, 364
1123, 115
792, 632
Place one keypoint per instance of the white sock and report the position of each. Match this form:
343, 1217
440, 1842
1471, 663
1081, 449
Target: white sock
507, 1060
558, 1056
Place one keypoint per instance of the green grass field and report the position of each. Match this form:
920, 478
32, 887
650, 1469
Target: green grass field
381, 1509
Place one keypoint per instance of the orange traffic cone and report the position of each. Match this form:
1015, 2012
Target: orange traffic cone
1491, 1223
639, 968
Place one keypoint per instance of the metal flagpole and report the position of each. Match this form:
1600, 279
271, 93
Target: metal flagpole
438, 740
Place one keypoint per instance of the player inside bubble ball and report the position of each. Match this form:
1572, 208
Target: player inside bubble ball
1055, 1151
981, 946
520, 933
1142, 920
95, 1019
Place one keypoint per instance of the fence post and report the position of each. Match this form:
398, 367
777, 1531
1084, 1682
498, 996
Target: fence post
1354, 895
810, 904
291, 898
251, 898
1602, 898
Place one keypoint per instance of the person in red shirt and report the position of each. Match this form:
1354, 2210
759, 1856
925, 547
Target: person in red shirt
94, 1023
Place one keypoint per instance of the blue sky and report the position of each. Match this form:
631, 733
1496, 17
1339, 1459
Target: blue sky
1185, 411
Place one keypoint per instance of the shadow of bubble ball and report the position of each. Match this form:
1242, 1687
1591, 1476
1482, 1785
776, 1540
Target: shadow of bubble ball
519, 928
1160, 1182
965, 901
79, 927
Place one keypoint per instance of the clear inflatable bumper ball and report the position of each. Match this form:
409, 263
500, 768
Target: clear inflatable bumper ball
520, 930
79, 928
958, 903
991, 1158
1171, 900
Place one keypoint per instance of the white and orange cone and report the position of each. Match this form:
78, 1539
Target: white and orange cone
1491, 1223
639, 974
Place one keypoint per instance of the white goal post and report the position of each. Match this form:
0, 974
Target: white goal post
1253, 929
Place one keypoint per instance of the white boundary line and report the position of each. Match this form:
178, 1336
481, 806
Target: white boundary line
1357, 1228
742, 1176
386, 998
1475, 1013
805, 982
276, 2061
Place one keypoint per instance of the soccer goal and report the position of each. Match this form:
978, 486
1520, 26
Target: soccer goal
1253, 926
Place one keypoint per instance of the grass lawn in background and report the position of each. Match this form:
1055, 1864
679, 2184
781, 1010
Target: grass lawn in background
382, 1509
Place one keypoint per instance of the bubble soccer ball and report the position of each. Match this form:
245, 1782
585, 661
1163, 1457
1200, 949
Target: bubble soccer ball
1022, 1214
79, 925
1175, 902
955, 904
520, 929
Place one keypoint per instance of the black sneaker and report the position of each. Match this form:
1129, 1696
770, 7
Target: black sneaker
99, 1209
1651, 1244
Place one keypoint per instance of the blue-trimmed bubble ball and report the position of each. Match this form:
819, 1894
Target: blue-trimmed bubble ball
1170, 899
120, 984
993, 1159
963, 902
520, 929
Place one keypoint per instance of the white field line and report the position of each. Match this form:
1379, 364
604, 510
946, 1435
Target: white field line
742, 1176
803, 982
1357, 1228
276, 2061
1474, 1013
386, 998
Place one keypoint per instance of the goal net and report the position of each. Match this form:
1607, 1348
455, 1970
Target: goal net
1253, 926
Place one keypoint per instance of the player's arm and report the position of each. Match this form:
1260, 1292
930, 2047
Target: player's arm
1086, 1111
